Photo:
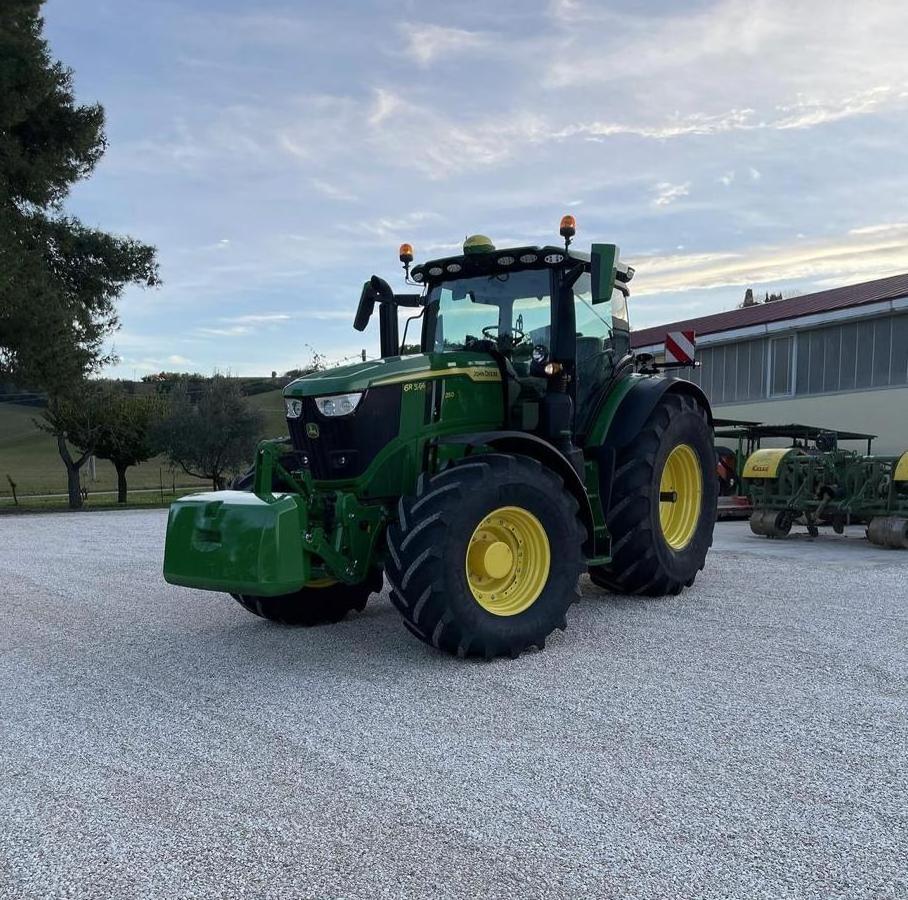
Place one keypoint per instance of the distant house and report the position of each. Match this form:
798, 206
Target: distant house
836, 359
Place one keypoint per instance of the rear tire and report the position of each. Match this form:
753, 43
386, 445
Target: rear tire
656, 549
313, 605
485, 559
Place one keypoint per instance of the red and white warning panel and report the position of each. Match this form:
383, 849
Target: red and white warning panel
680, 347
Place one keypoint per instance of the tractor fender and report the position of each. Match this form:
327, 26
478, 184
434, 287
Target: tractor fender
628, 419
520, 442
640, 401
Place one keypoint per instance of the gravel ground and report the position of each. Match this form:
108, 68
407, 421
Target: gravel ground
745, 740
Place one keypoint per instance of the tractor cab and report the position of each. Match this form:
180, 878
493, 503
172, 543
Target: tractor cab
553, 319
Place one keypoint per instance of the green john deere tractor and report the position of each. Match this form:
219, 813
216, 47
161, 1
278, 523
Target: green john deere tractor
524, 444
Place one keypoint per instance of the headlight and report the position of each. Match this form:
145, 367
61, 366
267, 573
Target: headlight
294, 408
338, 405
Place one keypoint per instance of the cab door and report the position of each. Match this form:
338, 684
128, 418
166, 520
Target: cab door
603, 340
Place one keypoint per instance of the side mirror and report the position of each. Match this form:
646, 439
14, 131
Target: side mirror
602, 271
365, 308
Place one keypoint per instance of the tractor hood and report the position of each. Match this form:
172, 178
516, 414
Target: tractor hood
393, 370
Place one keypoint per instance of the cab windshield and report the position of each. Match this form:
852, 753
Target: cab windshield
512, 310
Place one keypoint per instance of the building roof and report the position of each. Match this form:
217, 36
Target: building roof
777, 310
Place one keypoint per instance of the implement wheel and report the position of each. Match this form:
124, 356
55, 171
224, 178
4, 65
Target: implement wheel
320, 602
663, 503
484, 560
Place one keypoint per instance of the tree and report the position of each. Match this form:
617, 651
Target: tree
317, 363
59, 279
123, 436
210, 436
74, 421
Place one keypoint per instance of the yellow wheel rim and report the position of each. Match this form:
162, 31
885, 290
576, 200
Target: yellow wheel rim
508, 561
680, 496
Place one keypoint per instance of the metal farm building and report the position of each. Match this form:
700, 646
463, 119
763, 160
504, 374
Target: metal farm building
836, 359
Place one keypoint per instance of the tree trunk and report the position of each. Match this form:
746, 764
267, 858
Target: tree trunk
218, 482
121, 483
73, 486
72, 472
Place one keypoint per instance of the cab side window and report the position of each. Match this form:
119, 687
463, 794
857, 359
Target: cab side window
603, 338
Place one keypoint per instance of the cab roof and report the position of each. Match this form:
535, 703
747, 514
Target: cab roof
508, 259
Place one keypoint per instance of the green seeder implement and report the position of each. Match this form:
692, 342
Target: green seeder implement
828, 486
524, 444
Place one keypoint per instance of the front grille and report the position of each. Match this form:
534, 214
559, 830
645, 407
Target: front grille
345, 445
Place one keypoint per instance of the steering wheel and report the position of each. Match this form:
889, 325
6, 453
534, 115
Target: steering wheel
511, 339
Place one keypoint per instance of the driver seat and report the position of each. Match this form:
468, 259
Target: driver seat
522, 391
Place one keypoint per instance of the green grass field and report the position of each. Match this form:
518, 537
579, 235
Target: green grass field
153, 499
30, 456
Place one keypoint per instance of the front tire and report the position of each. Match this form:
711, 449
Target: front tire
485, 559
663, 503
322, 602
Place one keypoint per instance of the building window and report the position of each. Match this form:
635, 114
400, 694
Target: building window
732, 373
863, 370
853, 356
832, 354
757, 366
780, 367
898, 363
882, 351
832, 359
848, 358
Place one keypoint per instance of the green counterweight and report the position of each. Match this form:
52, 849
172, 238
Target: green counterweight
237, 542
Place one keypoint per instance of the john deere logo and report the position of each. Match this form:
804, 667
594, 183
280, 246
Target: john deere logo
312, 429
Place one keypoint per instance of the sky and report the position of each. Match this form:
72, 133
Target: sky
278, 153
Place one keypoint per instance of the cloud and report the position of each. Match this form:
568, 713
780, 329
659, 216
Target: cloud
859, 255
729, 177
784, 67
234, 331
394, 133
674, 126
744, 46
806, 113
888, 228
177, 360
391, 228
568, 10
426, 43
332, 190
236, 137
318, 145
667, 193
327, 315
386, 103
257, 318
